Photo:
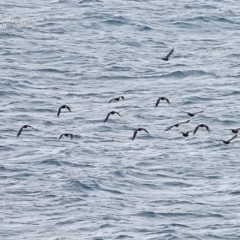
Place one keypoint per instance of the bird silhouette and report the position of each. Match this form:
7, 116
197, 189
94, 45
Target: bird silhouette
228, 141
24, 126
192, 114
161, 98
234, 130
63, 106
66, 135
201, 125
169, 54
185, 134
116, 99
112, 112
137, 130
176, 125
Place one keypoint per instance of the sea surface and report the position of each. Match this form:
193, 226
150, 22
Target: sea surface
102, 184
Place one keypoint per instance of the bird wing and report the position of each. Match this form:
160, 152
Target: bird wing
145, 130
207, 128
233, 138
31, 127
170, 53
185, 121
196, 129
111, 100
69, 109
61, 136
107, 117
118, 114
134, 134
71, 136
20, 131
167, 101
168, 128
157, 102
59, 111
198, 112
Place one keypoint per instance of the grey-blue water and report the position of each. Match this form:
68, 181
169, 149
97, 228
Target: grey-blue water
101, 184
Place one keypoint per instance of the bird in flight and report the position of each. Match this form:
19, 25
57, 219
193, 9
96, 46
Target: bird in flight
192, 114
116, 99
234, 130
185, 134
161, 98
176, 125
24, 126
201, 125
228, 141
137, 130
167, 57
66, 135
63, 106
112, 112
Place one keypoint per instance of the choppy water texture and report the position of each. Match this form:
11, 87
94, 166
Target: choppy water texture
103, 185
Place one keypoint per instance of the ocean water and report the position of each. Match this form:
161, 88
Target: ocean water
101, 184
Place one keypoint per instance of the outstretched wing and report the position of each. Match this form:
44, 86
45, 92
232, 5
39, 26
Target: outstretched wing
170, 53
61, 136
134, 134
207, 128
198, 112
19, 132
196, 129
233, 138
107, 117
118, 114
157, 102
185, 121
168, 128
59, 111
68, 108
167, 101
111, 100
145, 130
71, 136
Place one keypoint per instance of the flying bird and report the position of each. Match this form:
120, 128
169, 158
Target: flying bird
137, 130
185, 134
228, 141
112, 112
234, 130
24, 126
63, 106
167, 57
201, 125
192, 114
161, 98
176, 125
66, 135
116, 99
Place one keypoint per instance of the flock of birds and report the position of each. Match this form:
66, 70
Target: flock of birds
184, 134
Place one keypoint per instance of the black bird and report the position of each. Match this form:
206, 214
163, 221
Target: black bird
201, 125
139, 129
24, 126
228, 141
63, 106
66, 135
176, 125
234, 130
161, 98
167, 57
117, 99
112, 112
192, 114
185, 134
